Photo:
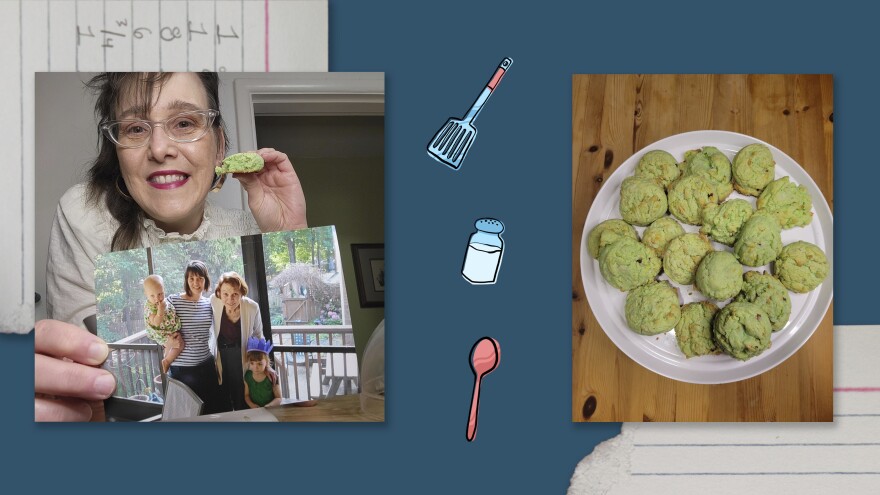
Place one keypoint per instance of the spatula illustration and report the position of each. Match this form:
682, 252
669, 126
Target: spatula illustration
452, 142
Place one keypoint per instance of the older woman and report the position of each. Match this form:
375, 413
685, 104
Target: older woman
236, 318
147, 186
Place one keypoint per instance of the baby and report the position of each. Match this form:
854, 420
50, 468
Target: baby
162, 322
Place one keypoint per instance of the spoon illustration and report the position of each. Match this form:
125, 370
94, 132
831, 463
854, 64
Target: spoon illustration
485, 355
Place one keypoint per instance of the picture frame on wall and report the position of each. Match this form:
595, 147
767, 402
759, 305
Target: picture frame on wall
369, 269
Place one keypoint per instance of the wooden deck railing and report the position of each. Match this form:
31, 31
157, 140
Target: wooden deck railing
312, 362
315, 361
136, 367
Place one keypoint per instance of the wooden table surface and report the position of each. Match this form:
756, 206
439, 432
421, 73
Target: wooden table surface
342, 408
339, 409
614, 116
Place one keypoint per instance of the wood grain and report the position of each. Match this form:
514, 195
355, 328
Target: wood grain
614, 116
344, 408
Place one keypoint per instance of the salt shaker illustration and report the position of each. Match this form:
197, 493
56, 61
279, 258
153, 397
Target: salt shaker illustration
485, 250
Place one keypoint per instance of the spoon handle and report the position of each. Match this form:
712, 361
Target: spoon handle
475, 403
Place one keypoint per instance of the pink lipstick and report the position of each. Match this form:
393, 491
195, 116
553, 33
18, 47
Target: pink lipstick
167, 179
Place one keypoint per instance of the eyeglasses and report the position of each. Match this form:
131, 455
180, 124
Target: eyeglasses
185, 127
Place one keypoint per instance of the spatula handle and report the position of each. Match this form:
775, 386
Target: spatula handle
487, 91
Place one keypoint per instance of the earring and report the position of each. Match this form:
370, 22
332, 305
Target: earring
219, 180
119, 190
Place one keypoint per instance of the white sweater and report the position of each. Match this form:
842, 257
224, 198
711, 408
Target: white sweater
251, 326
81, 232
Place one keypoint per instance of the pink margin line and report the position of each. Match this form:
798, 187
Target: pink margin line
857, 389
266, 10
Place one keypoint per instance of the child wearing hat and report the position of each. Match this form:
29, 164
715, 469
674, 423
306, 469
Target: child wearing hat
259, 391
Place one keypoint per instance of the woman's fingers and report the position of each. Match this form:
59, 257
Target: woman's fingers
275, 161
64, 356
272, 155
56, 377
275, 195
62, 340
61, 409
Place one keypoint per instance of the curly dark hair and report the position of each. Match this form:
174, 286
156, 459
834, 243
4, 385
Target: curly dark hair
103, 178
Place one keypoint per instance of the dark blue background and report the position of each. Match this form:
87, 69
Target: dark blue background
436, 57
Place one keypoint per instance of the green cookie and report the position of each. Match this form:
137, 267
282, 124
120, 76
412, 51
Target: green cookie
759, 241
723, 223
801, 266
641, 200
607, 232
688, 196
753, 169
742, 330
789, 203
652, 308
627, 264
712, 164
683, 256
241, 163
660, 165
659, 233
719, 276
768, 293
694, 329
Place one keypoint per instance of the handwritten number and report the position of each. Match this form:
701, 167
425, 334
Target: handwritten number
139, 32
169, 34
80, 34
190, 30
108, 41
221, 35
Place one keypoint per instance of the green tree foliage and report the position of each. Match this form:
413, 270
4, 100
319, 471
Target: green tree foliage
303, 261
314, 246
119, 293
220, 256
119, 279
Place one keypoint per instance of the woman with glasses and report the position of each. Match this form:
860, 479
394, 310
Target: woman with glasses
161, 135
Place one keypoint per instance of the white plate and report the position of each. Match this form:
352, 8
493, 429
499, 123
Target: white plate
660, 353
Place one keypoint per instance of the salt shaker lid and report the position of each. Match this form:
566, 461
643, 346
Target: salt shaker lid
489, 225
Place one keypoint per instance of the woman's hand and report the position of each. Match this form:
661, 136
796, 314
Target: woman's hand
68, 385
273, 377
275, 195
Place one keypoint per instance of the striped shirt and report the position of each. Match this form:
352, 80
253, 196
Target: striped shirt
196, 327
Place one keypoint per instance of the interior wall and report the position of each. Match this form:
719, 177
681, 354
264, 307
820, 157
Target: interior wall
340, 163
66, 140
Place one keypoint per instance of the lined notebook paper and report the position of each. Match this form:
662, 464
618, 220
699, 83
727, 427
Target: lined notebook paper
118, 35
775, 458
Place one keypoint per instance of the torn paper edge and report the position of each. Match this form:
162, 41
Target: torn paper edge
608, 464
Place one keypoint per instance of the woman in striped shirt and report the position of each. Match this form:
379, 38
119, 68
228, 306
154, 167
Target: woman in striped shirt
194, 365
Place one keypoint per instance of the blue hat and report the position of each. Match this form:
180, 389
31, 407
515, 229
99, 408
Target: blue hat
260, 345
